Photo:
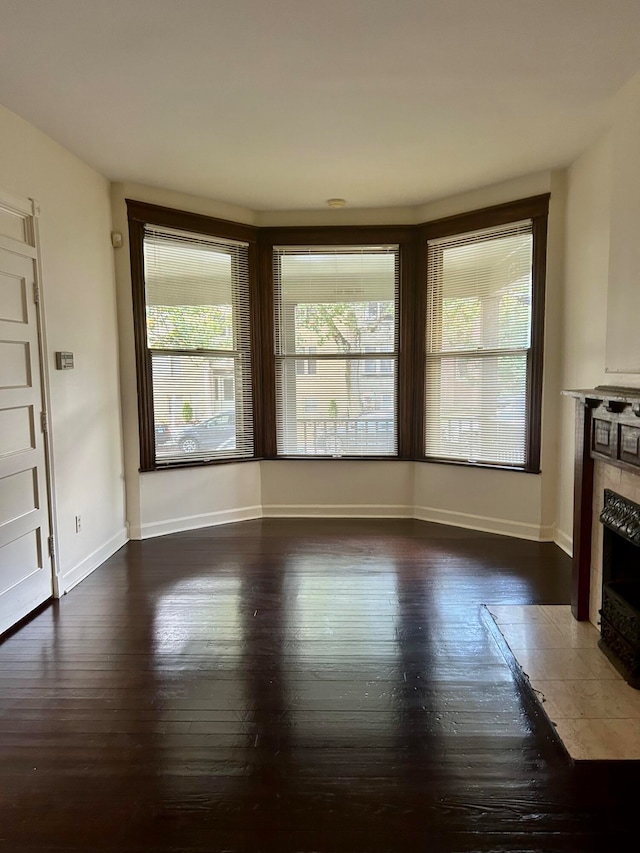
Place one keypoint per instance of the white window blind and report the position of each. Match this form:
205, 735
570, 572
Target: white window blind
341, 304
478, 345
197, 313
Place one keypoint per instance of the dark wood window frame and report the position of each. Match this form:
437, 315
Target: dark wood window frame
536, 209
412, 241
141, 214
402, 236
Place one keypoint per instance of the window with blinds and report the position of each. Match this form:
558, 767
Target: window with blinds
478, 353
336, 350
198, 340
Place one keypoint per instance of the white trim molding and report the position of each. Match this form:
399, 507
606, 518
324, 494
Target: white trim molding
194, 522
337, 511
565, 541
486, 524
67, 580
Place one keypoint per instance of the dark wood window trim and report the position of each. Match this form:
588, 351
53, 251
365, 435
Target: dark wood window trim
139, 215
535, 208
412, 241
405, 238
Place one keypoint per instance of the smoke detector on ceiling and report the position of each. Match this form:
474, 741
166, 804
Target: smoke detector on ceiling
336, 202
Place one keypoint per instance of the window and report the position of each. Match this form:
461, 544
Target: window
483, 364
196, 344
408, 342
323, 298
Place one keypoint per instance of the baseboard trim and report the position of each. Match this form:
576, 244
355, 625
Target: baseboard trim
195, 522
337, 511
518, 529
485, 524
92, 561
564, 541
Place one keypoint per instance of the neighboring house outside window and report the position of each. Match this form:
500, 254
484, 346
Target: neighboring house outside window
341, 303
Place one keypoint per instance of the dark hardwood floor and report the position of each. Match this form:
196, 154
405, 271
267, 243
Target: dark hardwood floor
294, 685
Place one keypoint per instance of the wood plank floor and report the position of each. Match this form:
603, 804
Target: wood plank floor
294, 685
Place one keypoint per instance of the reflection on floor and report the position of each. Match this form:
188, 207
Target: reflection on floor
595, 712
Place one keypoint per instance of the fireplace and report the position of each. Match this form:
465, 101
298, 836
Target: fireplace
620, 614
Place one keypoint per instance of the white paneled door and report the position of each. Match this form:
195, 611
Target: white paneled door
26, 578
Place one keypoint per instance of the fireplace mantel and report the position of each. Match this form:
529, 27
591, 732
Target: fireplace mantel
607, 428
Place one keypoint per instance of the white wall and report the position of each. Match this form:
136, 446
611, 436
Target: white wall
602, 258
337, 488
80, 313
623, 300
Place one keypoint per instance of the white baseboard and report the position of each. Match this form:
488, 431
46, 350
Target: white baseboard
337, 511
564, 541
91, 562
519, 529
195, 522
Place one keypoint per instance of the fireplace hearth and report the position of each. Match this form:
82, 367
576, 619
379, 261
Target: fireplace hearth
620, 613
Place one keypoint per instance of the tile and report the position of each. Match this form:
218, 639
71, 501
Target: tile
598, 664
595, 740
595, 712
553, 664
535, 635
589, 699
559, 614
516, 614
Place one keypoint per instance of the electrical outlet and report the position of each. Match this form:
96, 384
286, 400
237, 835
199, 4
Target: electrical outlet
78, 523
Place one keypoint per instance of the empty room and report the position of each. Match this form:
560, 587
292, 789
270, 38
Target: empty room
319, 425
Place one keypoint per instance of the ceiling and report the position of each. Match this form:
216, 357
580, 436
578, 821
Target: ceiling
282, 104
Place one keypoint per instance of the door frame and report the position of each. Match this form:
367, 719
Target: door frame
29, 208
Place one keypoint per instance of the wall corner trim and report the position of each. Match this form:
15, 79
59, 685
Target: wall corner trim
564, 540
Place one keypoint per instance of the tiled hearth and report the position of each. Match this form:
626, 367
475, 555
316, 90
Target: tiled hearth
595, 712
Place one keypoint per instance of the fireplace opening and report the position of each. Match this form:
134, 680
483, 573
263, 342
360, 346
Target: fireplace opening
620, 614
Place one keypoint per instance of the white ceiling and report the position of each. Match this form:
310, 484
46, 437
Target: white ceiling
282, 104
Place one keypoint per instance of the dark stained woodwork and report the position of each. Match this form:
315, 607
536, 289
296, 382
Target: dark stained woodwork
140, 214
267, 332
536, 353
535, 208
487, 217
155, 214
406, 238
294, 685
146, 418
582, 514
407, 398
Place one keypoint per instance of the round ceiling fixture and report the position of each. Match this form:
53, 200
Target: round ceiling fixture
336, 202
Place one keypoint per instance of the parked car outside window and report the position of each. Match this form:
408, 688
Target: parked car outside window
209, 434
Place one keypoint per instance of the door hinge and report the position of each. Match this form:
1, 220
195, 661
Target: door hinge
44, 422
52, 548
36, 292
